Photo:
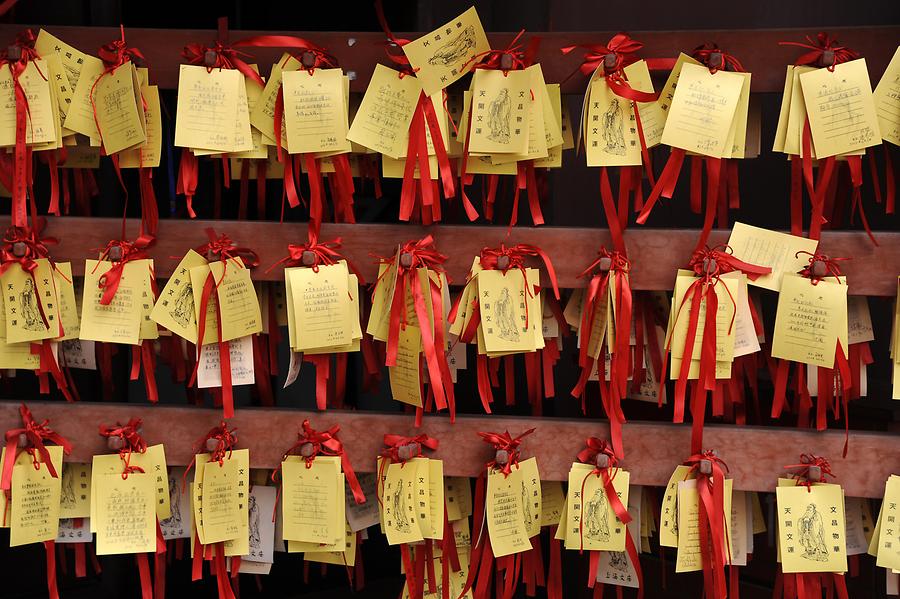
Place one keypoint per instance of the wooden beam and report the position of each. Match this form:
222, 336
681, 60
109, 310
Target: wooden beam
655, 253
359, 52
755, 455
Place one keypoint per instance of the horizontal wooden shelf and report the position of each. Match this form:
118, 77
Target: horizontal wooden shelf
756, 456
359, 52
656, 254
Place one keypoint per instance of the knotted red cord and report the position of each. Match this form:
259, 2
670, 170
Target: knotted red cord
714, 542
132, 442
801, 472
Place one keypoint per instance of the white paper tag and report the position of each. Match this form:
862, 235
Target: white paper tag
209, 373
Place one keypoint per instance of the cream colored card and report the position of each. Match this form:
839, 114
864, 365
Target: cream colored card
500, 112
745, 339
68, 306
736, 143
446, 54
778, 251
726, 289
75, 493
311, 494
504, 513
616, 567
653, 117
207, 107
503, 299
72, 59
887, 101
860, 328
667, 94
26, 298
702, 110
784, 111
405, 375
41, 114
611, 137
321, 304
841, 109
124, 516
315, 111
224, 498
552, 501
668, 519
383, 120
120, 320
811, 529
119, 116
531, 496
889, 535
690, 557
234, 296
80, 117
149, 153
796, 114
811, 321
399, 517
240, 353
174, 309
35, 502
592, 522
262, 117
458, 496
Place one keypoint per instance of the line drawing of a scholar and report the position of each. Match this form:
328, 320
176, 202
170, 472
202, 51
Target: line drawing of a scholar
498, 117
505, 318
613, 129
454, 50
67, 496
401, 520
184, 306
28, 302
812, 535
596, 517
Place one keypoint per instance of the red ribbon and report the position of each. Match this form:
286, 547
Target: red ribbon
114, 54
714, 546
35, 434
131, 440
130, 250
324, 253
506, 442
225, 439
801, 470
818, 47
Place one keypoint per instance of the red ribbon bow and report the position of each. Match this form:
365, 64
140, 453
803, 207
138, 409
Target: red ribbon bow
713, 262
132, 442
506, 442
36, 433
325, 252
621, 45
727, 62
222, 248
713, 542
516, 256
33, 244
493, 59
225, 442
393, 443
130, 250
824, 46
226, 57
831, 267
618, 262
802, 475
596, 447
116, 53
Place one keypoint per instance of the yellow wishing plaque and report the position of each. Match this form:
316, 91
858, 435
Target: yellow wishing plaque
75, 493
120, 321
315, 111
25, 301
668, 516
888, 542
784, 111
422, 488
124, 516
610, 131
68, 307
405, 375
505, 514
810, 321
72, 58
702, 110
500, 112
796, 113
653, 117
690, 555
80, 117
458, 497
503, 299
399, 517
15, 355
841, 109
591, 520
310, 500
225, 488
727, 293
736, 142
779, 251
383, 119
234, 292
34, 504
887, 101
436, 501
174, 309
321, 305
117, 100
262, 117
443, 56
345, 556
149, 153
41, 115
811, 529
553, 499
531, 496
152, 462
207, 107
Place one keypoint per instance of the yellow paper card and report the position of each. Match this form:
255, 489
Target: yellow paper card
435, 500
668, 518
653, 117
887, 101
383, 119
235, 296
667, 94
80, 117
505, 513
26, 297
810, 321
321, 304
399, 516
444, 55
121, 125
315, 111
221, 504
34, 505
702, 110
690, 556
120, 321
72, 59
841, 109
737, 134
458, 496
503, 299
592, 522
310, 498
345, 557
124, 513
553, 499
727, 292
811, 528
174, 309
41, 115
784, 111
75, 495
778, 251
405, 375
531, 496
500, 111
262, 117
207, 107
149, 153
68, 307
552, 123
611, 137
889, 536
